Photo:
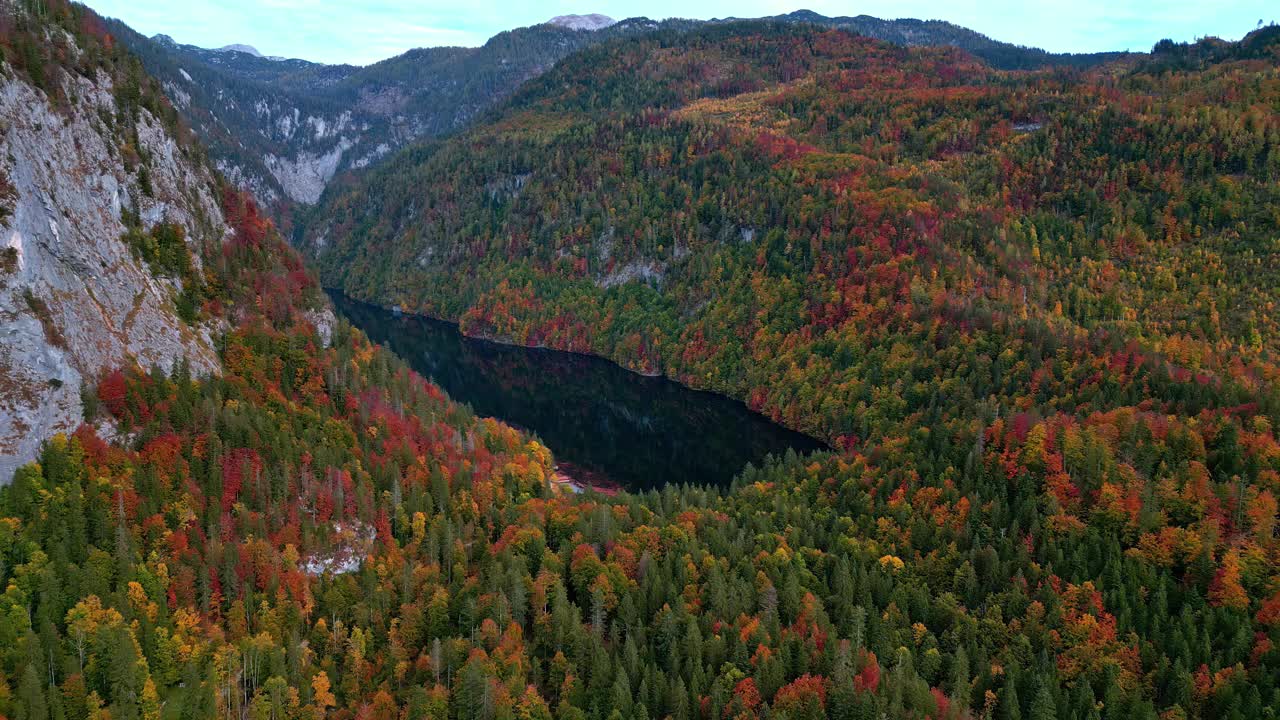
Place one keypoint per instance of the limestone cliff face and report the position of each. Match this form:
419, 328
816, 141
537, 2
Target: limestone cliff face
73, 298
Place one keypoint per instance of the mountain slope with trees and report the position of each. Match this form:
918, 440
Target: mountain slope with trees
1031, 293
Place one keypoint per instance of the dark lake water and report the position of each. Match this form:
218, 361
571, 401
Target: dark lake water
599, 420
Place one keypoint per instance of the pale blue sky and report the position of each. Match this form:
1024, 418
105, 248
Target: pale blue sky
364, 31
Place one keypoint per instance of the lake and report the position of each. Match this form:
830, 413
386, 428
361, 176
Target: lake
605, 425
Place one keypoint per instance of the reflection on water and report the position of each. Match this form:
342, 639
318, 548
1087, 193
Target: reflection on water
639, 432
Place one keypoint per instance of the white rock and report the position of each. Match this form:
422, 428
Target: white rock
304, 177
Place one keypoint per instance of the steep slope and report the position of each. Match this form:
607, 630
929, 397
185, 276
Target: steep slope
87, 158
268, 123
283, 129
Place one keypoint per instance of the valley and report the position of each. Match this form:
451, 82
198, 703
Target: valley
786, 368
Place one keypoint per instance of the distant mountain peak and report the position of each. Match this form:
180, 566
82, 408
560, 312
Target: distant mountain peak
241, 48
594, 21
805, 15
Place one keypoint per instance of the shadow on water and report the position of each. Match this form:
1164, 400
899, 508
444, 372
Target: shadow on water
639, 432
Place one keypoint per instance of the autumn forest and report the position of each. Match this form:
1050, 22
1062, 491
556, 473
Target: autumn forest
1032, 314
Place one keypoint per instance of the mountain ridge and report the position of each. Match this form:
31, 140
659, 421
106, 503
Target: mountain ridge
250, 110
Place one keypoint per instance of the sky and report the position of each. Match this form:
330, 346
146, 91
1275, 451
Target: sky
365, 31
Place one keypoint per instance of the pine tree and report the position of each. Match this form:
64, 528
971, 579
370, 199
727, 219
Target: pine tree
1010, 709
31, 703
1043, 706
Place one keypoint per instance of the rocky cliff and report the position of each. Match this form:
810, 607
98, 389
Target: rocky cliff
79, 167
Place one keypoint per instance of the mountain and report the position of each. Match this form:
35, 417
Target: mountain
594, 21
1261, 44
174, 371
932, 33
283, 129
1043, 294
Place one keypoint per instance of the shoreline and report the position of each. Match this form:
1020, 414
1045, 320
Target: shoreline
399, 312
508, 342
567, 477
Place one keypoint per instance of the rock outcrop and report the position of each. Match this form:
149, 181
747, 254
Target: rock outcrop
73, 298
594, 21
237, 47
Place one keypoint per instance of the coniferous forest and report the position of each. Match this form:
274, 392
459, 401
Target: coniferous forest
1032, 312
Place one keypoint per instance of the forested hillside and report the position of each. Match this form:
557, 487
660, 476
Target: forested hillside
1038, 305
1034, 512
910, 32
787, 216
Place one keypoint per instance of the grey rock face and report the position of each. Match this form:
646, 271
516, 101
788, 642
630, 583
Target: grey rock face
304, 177
73, 300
